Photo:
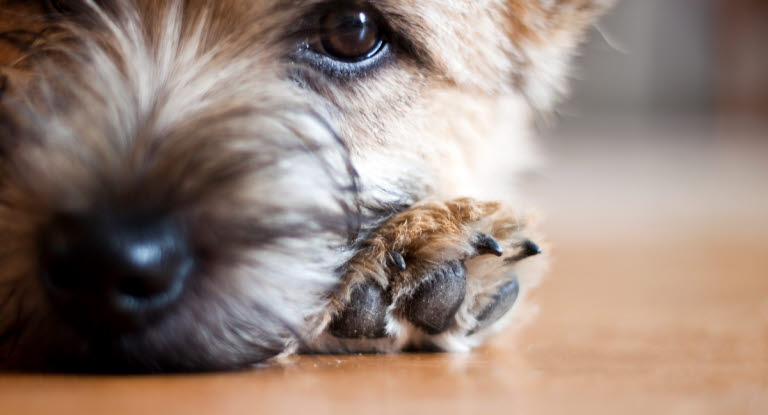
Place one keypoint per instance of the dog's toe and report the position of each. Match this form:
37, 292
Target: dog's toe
434, 303
500, 304
365, 315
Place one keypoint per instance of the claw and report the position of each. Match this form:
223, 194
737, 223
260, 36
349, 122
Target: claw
485, 244
396, 260
529, 249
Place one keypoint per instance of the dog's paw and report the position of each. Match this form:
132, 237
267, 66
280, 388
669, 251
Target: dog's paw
440, 275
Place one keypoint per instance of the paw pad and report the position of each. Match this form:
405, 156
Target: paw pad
365, 315
502, 302
435, 302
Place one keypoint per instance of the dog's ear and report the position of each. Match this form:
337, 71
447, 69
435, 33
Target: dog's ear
545, 35
549, 20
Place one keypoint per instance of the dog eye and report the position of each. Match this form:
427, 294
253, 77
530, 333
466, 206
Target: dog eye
344, 43
350, 35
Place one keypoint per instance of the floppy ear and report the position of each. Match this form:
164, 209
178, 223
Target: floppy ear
545, 34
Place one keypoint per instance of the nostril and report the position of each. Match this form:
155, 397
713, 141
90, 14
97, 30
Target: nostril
138, 288
59, 252
114, 267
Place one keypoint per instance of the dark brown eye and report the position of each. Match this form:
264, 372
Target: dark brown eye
351, 35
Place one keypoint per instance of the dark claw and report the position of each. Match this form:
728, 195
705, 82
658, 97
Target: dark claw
528, 249
396, 260
485, 244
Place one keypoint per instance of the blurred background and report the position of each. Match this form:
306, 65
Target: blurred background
654, 197
697, 58
668, 118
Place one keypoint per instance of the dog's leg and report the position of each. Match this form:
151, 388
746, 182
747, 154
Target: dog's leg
441, 275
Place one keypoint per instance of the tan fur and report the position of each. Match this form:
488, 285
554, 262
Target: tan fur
207, 109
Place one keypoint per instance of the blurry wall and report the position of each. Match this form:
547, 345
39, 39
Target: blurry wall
675, 58
743, 57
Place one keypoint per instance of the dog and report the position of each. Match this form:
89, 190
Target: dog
194, 185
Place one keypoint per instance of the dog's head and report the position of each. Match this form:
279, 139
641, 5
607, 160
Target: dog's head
182, 181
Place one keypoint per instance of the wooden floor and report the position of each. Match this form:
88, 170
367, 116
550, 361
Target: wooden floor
657, 302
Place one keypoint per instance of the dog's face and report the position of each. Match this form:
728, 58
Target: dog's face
181, 181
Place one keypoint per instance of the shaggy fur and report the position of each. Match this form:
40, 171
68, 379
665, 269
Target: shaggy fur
295, 176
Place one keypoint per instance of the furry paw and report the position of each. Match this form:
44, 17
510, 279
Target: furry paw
440, 276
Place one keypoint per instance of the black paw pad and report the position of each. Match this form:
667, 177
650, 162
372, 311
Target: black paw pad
501, 303
433, 305
365, 315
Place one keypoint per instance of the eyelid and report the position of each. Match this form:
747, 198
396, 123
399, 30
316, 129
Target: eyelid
312, 22
344, 70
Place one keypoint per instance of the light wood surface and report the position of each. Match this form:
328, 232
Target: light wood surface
657, 302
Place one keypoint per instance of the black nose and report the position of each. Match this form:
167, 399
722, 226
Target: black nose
114, 272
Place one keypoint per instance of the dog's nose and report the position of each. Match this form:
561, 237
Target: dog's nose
115, 272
